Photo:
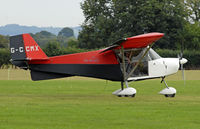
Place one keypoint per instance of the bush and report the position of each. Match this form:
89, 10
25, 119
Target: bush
54, 48
71, 50
4, 57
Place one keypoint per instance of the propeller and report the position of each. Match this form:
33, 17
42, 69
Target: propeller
182, 61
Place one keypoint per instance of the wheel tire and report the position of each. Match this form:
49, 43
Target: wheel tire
166, 95
125, 95
173, 95
132, 95
119, 96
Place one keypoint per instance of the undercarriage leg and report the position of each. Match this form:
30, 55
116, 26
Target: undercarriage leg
168, 91
126, 84
122, 85
163, 80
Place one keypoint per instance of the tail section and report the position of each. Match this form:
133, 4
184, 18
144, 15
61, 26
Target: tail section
23, 48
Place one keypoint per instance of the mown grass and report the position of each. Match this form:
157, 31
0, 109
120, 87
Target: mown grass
82, 103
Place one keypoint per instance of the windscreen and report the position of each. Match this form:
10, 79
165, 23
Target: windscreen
153, 55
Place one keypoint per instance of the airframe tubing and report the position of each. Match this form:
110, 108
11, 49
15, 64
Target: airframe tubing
123, 63
140, 60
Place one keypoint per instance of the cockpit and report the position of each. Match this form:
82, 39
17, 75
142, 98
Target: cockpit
131, 58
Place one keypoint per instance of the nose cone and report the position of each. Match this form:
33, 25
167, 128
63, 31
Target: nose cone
183, 61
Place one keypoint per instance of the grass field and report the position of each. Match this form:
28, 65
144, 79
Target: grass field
83, 103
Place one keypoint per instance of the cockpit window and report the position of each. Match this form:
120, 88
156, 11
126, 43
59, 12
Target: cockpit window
153, 55
131, 58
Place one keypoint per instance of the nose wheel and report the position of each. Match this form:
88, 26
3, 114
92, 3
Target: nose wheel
168, 91
167, 95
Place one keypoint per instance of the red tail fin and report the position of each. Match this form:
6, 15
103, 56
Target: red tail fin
32, 49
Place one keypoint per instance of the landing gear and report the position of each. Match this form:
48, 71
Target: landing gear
168, 91
128, 91
125, 92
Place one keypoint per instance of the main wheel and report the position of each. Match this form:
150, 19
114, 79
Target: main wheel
132, 95
173, 95
166, 95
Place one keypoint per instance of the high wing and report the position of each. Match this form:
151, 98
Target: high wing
140, 41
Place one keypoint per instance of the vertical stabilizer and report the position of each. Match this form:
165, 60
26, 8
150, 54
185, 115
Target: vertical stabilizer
32, 49
23, 48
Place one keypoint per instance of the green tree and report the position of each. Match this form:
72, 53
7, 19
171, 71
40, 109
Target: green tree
193, 9
66, 32
191, 36
53, 48
64, 35
109, 20
3, 42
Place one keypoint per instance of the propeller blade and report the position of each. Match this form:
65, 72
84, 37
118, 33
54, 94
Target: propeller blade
178, 55
182, 61
183, 73
181, 55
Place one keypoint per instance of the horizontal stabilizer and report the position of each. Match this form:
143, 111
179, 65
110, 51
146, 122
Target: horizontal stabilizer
27, 59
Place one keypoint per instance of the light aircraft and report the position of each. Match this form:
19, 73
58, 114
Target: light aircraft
129, 59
